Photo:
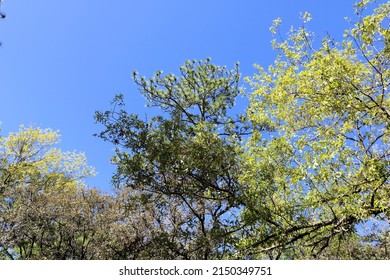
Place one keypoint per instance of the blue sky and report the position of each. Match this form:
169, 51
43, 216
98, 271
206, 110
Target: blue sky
62, 60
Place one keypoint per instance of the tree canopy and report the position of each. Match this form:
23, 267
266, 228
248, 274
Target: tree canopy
324, 171
301, 173
183, 163
45, 209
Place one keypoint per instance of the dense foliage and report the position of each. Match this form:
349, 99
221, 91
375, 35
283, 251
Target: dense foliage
323, 173
301, 173
183, 163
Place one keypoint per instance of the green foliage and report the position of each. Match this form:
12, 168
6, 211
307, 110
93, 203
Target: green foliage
45, 210
325, 169
298, 176
302, 174
183, 164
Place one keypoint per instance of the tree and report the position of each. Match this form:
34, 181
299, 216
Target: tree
316, 182
182, 165
303, 174
46, 211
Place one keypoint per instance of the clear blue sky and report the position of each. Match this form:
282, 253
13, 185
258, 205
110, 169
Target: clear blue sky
62, 60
